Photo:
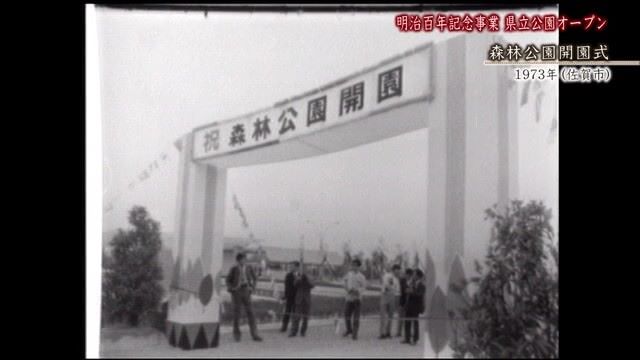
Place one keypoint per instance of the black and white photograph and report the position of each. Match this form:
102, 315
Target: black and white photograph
322, 181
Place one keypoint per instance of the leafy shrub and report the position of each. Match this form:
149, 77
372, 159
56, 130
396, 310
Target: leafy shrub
514, 312
131, 277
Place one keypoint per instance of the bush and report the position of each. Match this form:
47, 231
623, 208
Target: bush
514, 312
131, 277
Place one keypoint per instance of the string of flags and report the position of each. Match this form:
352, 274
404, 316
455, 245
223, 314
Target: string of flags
142, 176
540, 93
148, 172
553, 132
243, 217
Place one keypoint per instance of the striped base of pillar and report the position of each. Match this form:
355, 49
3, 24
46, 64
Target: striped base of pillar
193, 336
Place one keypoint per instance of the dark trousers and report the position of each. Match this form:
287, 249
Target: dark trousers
401, 315
302, 308
288, 310
410, 324
242, 299
352, 311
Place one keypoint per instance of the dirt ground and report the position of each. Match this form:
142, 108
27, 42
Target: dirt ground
321, 341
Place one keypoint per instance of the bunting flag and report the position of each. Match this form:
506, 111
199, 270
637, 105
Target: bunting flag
539, 98
144, 175
525, 93
237, 206
553, 131
243, 217
301, 251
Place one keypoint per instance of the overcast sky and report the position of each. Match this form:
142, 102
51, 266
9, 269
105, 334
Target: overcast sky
164, 73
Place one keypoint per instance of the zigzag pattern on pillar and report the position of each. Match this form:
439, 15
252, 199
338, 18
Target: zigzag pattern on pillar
193, 336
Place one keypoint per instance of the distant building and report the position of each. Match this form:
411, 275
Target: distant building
314, 260
273, 260
269, 261
233, 245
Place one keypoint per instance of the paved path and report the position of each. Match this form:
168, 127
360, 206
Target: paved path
321, 341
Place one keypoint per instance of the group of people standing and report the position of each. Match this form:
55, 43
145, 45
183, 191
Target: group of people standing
401, 294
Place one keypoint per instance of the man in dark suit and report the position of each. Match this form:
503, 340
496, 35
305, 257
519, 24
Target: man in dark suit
289, 294
414, 307
241, 281
302, 305
408, 273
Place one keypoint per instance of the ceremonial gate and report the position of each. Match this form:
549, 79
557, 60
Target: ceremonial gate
472, 159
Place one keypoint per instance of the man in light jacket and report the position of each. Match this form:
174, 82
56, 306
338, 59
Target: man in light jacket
355, 284
390, 287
